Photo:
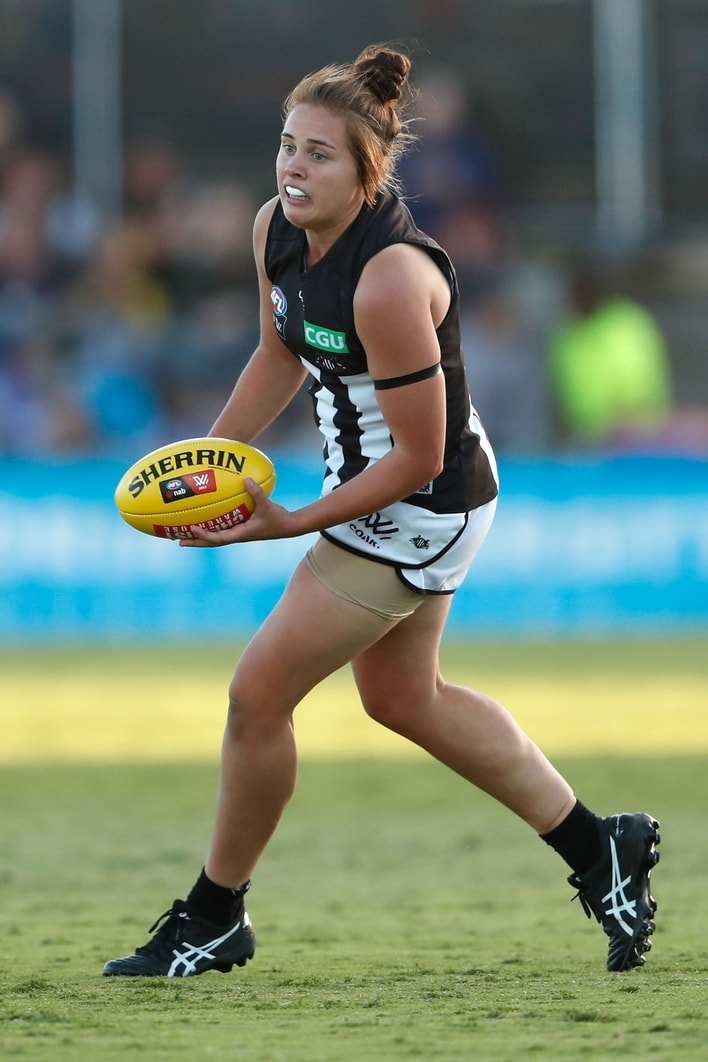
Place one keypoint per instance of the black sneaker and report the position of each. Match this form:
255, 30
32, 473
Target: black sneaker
616, 888
186, 945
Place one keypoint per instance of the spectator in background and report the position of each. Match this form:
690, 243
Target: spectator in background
609, 367
12, 127
204, 236
455, 190
505, 338
27, 188
43, 235
453, 181
151, 169
120, 312
39, 413
115, 339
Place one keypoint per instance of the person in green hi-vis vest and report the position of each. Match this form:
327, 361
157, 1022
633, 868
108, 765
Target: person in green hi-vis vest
609, 366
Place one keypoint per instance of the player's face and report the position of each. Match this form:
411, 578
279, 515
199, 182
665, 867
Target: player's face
318, 183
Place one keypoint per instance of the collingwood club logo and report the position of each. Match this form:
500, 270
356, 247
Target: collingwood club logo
420, 543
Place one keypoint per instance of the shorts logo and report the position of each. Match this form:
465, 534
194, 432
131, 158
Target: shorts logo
373, 528
420, 543
325, 339
280, 303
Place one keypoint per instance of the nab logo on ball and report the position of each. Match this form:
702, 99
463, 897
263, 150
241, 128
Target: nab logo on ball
209, 490
188, 486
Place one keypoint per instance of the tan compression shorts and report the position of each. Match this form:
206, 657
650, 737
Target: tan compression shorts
364, 582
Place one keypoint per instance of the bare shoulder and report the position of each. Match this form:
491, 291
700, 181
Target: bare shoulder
261, 223
402, 271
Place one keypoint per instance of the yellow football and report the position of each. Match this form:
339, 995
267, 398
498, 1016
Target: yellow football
192, 483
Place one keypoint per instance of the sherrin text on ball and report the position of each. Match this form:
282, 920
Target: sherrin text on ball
192, 483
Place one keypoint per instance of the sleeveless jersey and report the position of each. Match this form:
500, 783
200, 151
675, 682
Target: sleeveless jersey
314, 317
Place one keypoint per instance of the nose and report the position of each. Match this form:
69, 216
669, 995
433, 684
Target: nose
294, 166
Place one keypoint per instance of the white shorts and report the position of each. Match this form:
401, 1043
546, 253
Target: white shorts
448, 570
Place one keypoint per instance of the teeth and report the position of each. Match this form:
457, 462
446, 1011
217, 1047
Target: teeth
295, 192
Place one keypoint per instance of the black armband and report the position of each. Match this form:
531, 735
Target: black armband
409, 378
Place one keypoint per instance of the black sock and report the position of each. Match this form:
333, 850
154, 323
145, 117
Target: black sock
215, 902
576, 839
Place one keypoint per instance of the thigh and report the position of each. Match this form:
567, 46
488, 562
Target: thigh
402, 666
310, 633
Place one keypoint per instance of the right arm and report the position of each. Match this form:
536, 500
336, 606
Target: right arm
272, 376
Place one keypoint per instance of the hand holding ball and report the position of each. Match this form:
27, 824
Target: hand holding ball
193, 483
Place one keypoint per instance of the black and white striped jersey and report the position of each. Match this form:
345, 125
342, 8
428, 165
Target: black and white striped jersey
313, 315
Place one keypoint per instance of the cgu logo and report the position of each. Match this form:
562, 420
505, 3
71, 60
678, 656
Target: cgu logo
325, 339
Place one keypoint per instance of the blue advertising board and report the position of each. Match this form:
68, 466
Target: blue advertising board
579, 547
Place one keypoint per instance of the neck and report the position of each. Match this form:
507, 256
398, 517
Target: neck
319, 241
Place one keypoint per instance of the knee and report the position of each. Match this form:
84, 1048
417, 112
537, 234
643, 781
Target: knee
237, 714
252, 714
388, 710
244, 714
400, 705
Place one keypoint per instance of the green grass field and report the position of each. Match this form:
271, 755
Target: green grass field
400, 914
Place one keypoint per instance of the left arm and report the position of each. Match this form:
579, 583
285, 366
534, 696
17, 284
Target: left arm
401, 298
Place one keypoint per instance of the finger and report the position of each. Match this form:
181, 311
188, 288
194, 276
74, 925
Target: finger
202, 538
255, 490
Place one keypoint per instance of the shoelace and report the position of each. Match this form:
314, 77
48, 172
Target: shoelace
576, 881
166, 914
167, 926
580, 896
172, 920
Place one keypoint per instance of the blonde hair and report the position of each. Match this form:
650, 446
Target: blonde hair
372, 94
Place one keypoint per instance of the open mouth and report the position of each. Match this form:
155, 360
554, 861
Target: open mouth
295, 193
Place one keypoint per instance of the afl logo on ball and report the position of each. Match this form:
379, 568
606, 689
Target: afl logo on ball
280, 303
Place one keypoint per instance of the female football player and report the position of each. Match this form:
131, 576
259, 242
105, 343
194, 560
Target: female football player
354, 297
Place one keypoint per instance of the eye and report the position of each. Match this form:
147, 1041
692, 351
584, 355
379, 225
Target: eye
287, 148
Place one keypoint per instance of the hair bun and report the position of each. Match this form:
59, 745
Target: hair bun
384, 72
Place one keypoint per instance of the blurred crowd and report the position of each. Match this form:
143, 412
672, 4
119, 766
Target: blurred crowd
120, 334
117, 334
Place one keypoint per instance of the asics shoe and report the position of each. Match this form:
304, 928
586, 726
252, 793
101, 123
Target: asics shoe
186, 944
616, 888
